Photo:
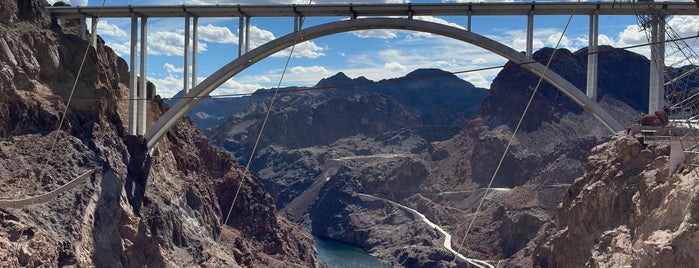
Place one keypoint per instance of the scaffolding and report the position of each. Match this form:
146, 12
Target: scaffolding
681, 100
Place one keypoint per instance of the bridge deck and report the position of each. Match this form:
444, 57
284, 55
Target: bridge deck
355, 10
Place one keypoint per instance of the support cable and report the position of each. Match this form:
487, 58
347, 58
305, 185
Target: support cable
264, 122
17, 203
514, 132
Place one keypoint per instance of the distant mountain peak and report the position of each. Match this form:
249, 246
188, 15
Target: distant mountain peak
341, 79
428, 72
335, 80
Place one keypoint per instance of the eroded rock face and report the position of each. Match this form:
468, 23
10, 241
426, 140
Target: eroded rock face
627, 211
134, 209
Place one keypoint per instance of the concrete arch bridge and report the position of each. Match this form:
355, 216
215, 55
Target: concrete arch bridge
367, 17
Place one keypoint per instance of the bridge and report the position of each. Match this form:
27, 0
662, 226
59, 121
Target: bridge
352, 17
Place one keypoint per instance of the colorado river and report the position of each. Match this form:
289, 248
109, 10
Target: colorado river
342, 255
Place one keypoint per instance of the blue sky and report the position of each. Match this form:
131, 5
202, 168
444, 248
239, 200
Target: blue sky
377, 55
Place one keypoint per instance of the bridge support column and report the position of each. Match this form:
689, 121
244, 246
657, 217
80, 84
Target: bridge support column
297, 20
185, 70
241, 36
142, 89
468, 21
530, 33
195, 47
247, 34
93, 32
592, 56
83, 27
656, 95
133, 96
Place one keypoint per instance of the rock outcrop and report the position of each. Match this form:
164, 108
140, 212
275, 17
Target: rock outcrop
137, 209
627, 211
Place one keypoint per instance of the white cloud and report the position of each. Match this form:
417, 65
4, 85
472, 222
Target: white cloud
684, 25
216, 34
121, 49
391, 34
306, 49
104, 28
259, 36
478, 79
603, 39
440, 21
395, 67
479, 61
70, 2
232, 87
316, 70
169, 44
166, 86
172, 69
380, 34
553, 41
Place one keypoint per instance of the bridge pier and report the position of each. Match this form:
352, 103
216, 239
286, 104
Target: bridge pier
185, 70
143, 89
530, 33
193, 34
656, 94
195, 47
244, 35
468, 21
138, 92
133, 96
592, 56
93, 32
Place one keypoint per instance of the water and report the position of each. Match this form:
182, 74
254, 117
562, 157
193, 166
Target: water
340, 255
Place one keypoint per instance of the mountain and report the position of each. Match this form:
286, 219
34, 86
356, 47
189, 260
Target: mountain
126, 207
344, 184
402, 113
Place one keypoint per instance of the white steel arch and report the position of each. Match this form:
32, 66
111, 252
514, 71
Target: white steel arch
202, 90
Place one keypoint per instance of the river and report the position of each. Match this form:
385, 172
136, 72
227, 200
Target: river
342, 255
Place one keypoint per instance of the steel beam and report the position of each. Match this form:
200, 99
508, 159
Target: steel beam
592, 57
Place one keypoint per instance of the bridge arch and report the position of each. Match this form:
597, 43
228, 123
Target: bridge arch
202, 90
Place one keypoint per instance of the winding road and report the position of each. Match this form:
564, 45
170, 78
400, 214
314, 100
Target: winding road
447, 236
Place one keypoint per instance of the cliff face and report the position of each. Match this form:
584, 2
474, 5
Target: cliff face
627, 211
131, 210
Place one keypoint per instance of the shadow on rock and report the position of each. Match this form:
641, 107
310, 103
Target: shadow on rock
138, 171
